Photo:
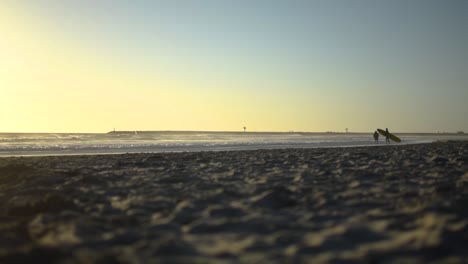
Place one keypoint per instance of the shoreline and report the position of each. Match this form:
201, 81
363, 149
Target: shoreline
84, 144
217, 149
400, 203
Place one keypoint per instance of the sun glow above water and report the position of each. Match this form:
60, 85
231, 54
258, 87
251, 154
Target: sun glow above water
54, 84
53, 79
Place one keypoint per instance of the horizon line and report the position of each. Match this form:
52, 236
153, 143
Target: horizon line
234, 131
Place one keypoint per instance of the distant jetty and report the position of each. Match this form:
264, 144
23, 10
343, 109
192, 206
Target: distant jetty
133, 132
128, 132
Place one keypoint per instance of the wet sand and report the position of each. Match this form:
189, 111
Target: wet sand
392, 204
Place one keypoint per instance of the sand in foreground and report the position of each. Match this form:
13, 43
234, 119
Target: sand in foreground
366, 204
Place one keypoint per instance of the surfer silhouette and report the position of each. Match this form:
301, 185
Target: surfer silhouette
376, 137
387, 139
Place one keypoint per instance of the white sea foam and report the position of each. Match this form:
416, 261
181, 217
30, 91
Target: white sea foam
14, 144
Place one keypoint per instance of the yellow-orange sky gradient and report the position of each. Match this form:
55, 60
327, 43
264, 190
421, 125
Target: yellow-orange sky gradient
51, 81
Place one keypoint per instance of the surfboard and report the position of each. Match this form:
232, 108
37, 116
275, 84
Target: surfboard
390, 135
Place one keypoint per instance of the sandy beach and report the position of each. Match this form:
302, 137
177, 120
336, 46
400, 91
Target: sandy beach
386, 204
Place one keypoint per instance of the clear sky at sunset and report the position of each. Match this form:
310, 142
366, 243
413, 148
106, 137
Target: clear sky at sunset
92, 66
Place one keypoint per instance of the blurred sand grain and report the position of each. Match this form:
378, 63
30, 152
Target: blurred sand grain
333, 205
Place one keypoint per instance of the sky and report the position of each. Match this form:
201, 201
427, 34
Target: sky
269, 65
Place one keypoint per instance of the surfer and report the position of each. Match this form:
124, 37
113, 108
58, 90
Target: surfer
387, 135
376, 137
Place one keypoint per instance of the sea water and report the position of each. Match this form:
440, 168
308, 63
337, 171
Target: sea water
36, 144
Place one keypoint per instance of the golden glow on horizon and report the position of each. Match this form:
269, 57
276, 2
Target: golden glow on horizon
50, 84
86, 66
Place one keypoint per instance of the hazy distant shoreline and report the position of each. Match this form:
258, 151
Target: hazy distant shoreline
233, 132
275, 132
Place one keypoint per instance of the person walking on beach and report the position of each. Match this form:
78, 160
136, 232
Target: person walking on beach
387, 139
376, 137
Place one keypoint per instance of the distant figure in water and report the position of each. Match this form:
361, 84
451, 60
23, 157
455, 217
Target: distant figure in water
376, 137
387, 139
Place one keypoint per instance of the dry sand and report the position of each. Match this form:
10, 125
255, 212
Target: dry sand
393, 204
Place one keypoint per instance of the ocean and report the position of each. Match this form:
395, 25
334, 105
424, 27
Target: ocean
39, 144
